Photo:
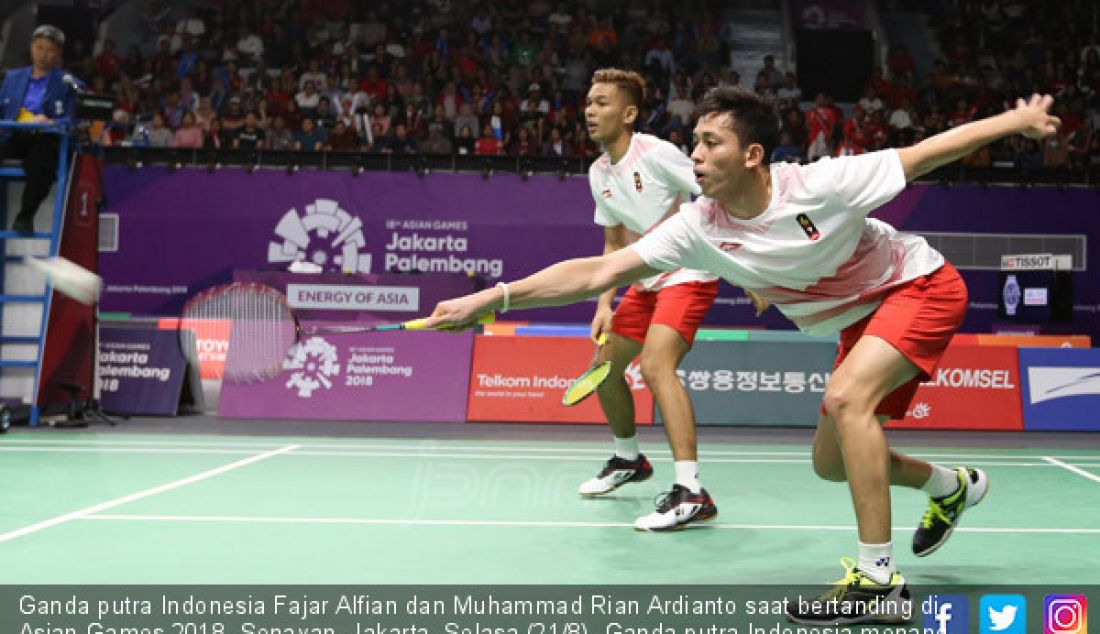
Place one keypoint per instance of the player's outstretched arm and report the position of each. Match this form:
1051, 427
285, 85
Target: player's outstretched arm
562, 283
1030, 118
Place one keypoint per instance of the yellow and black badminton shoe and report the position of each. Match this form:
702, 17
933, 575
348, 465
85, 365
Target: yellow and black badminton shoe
943, 514
855, 599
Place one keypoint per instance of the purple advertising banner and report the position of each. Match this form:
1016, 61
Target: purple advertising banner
141, 371
184, 231
181, 232
387, 376
361, 298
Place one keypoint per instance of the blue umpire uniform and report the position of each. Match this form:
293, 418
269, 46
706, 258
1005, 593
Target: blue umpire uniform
22, 96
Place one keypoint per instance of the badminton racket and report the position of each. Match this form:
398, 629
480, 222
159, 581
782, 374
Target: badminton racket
261, 327
587, 383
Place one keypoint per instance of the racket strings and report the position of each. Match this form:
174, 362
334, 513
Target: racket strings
586, 384
255, 321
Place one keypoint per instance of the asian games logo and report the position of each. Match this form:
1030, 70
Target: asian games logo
313, 364
325, 235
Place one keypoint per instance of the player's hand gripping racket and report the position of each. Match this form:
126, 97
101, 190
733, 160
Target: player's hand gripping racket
587, 383
260, 326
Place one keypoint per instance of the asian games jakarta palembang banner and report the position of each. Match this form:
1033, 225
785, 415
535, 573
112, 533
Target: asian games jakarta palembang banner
183, 231
179, 232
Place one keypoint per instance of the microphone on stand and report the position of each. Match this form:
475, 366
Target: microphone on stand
71, 82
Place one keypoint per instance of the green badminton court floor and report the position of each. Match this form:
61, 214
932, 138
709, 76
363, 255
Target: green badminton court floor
94, 508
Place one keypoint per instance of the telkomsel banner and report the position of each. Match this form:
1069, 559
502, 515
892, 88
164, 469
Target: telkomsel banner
974, 387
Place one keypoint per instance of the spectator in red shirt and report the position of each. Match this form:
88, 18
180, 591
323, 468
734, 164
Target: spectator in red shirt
465, 61
880, 84
374, 84
899, 61
822, 121
488, 144
855, 140
107, 62
900, 90
962, 114
605, 31
876, 130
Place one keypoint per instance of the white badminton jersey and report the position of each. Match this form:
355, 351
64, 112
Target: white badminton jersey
813, 252
642, 190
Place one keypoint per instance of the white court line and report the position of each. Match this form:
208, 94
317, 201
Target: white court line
1005, 462
1069, 467
447, 444
61, 519
139, 450
455, 456
537, 523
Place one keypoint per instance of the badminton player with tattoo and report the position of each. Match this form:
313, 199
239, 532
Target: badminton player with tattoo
637, 183
800, 237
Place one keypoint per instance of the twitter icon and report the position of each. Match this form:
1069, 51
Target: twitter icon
1003, 614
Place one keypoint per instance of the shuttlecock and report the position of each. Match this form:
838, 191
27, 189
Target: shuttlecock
69, 278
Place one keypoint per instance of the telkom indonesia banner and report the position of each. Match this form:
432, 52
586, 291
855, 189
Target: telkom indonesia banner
975, 387
522, 379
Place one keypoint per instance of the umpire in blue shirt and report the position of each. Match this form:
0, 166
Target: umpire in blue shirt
39, 93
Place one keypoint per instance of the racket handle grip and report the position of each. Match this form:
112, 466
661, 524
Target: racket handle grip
421, 324
415, 324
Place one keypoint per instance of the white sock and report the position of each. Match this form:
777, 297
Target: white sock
687, 475
942, 482
877, 561
626, 448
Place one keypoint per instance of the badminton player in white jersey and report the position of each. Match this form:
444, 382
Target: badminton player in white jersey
799, 236
637, 183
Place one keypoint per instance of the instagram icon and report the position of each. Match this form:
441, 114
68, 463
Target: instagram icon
1065, 614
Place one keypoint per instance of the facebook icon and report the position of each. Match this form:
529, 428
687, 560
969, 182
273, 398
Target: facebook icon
946, 613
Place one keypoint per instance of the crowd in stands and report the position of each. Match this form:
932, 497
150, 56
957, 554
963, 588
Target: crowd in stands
510, 76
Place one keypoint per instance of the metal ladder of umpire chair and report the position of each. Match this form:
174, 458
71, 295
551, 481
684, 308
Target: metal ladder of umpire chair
24, 312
